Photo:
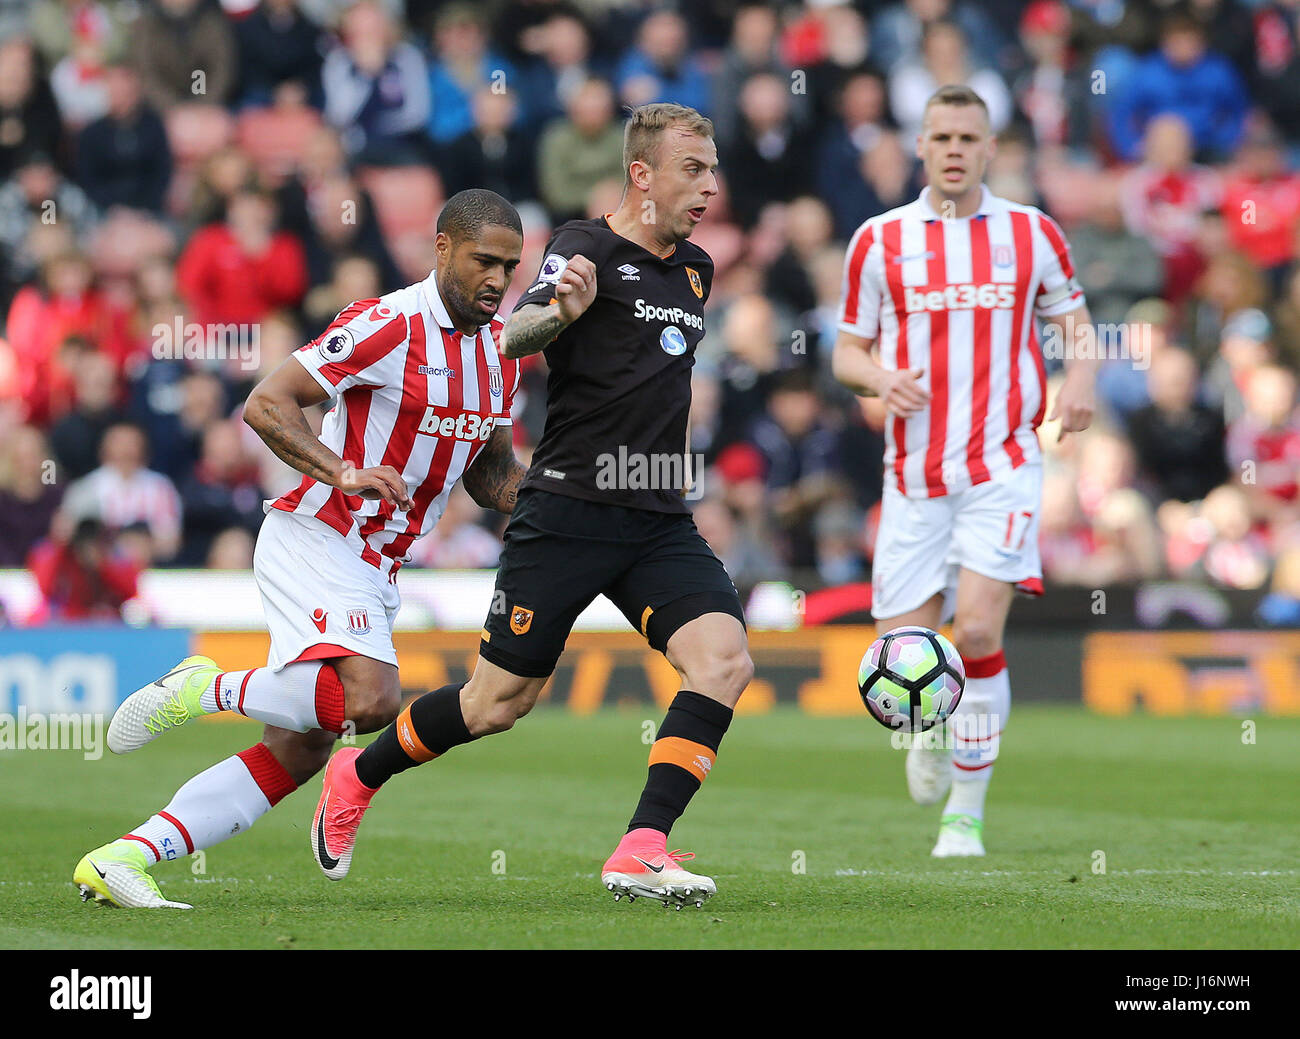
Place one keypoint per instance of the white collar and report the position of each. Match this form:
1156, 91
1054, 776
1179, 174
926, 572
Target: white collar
928, 212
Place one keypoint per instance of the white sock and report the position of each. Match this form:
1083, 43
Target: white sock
219, 802
977, 733
301, 696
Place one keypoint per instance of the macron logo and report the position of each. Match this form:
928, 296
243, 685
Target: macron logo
93, 992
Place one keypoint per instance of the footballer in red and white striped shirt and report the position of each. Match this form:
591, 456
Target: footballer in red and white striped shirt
938, 320
421, 398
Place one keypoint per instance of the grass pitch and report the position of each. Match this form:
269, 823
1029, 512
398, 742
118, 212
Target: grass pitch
805, 824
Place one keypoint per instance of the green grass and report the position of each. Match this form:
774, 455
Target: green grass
1197, 829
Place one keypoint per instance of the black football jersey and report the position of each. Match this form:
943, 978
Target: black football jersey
619, 388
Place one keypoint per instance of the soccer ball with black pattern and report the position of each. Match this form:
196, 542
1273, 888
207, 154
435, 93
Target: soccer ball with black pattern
911, 679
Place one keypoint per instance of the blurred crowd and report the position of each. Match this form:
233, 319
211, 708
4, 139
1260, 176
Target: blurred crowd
190, 190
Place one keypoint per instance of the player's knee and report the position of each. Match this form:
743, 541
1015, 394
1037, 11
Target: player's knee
975, 638
494, 717
373, 704
302, 754
723, 675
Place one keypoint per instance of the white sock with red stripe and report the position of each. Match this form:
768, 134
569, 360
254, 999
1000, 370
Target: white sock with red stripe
301, 696
977, 732
219, 802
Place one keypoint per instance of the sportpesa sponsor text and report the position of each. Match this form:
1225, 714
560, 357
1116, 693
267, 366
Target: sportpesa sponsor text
674, 315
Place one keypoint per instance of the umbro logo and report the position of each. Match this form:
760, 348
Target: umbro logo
630, 273
704, 763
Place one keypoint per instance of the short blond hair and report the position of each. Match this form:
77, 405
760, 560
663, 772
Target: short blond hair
646, 127
958, 95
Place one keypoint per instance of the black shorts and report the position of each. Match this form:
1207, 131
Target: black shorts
561, 553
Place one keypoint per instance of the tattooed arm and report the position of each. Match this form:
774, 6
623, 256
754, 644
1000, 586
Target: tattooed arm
494, 476
531, 327
274, 410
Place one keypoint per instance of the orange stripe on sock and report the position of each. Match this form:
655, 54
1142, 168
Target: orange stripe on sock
694, 757
411, 745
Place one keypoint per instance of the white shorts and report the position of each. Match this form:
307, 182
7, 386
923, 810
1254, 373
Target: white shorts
923, 543
319, 595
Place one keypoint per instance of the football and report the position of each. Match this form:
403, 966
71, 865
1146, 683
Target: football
911, 679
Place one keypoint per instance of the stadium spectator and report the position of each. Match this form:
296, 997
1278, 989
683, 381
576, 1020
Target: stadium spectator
459, 541
278, 43
861, 119
1277, 83
838, 543
64, 302
748, 557
376, 88
577, 153
1179, 442
787, 280
556, 60
1244, 346
897, 31
1115, 266
184, 51
801, 454
943, 59
1231, 285
31, 487
754, 47
771, 158
79, 576
39, 196
1236, 554
56, 26
235, 271
1184, 78
1053, 95
220, 493
1264, 447
825, 46
462, 65
76, 436
1286, 322
232, 549
123, 158
29, 117
1261, 202
330, 213
1163, 199
122, 491
748, 364
1281, 606
496, 153
661, 67
355, 277
78, 80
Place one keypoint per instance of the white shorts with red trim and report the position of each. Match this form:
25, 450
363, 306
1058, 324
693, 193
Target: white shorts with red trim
923, 543
320, 597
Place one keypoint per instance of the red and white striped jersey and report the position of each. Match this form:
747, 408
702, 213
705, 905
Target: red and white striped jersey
410, 392
956, 297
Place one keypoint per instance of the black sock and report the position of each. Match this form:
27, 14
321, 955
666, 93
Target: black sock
428, 727
681, 757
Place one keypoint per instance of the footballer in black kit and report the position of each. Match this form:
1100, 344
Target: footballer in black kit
618, 308
603, 507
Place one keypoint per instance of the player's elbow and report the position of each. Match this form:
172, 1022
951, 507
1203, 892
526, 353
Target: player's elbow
254, 410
